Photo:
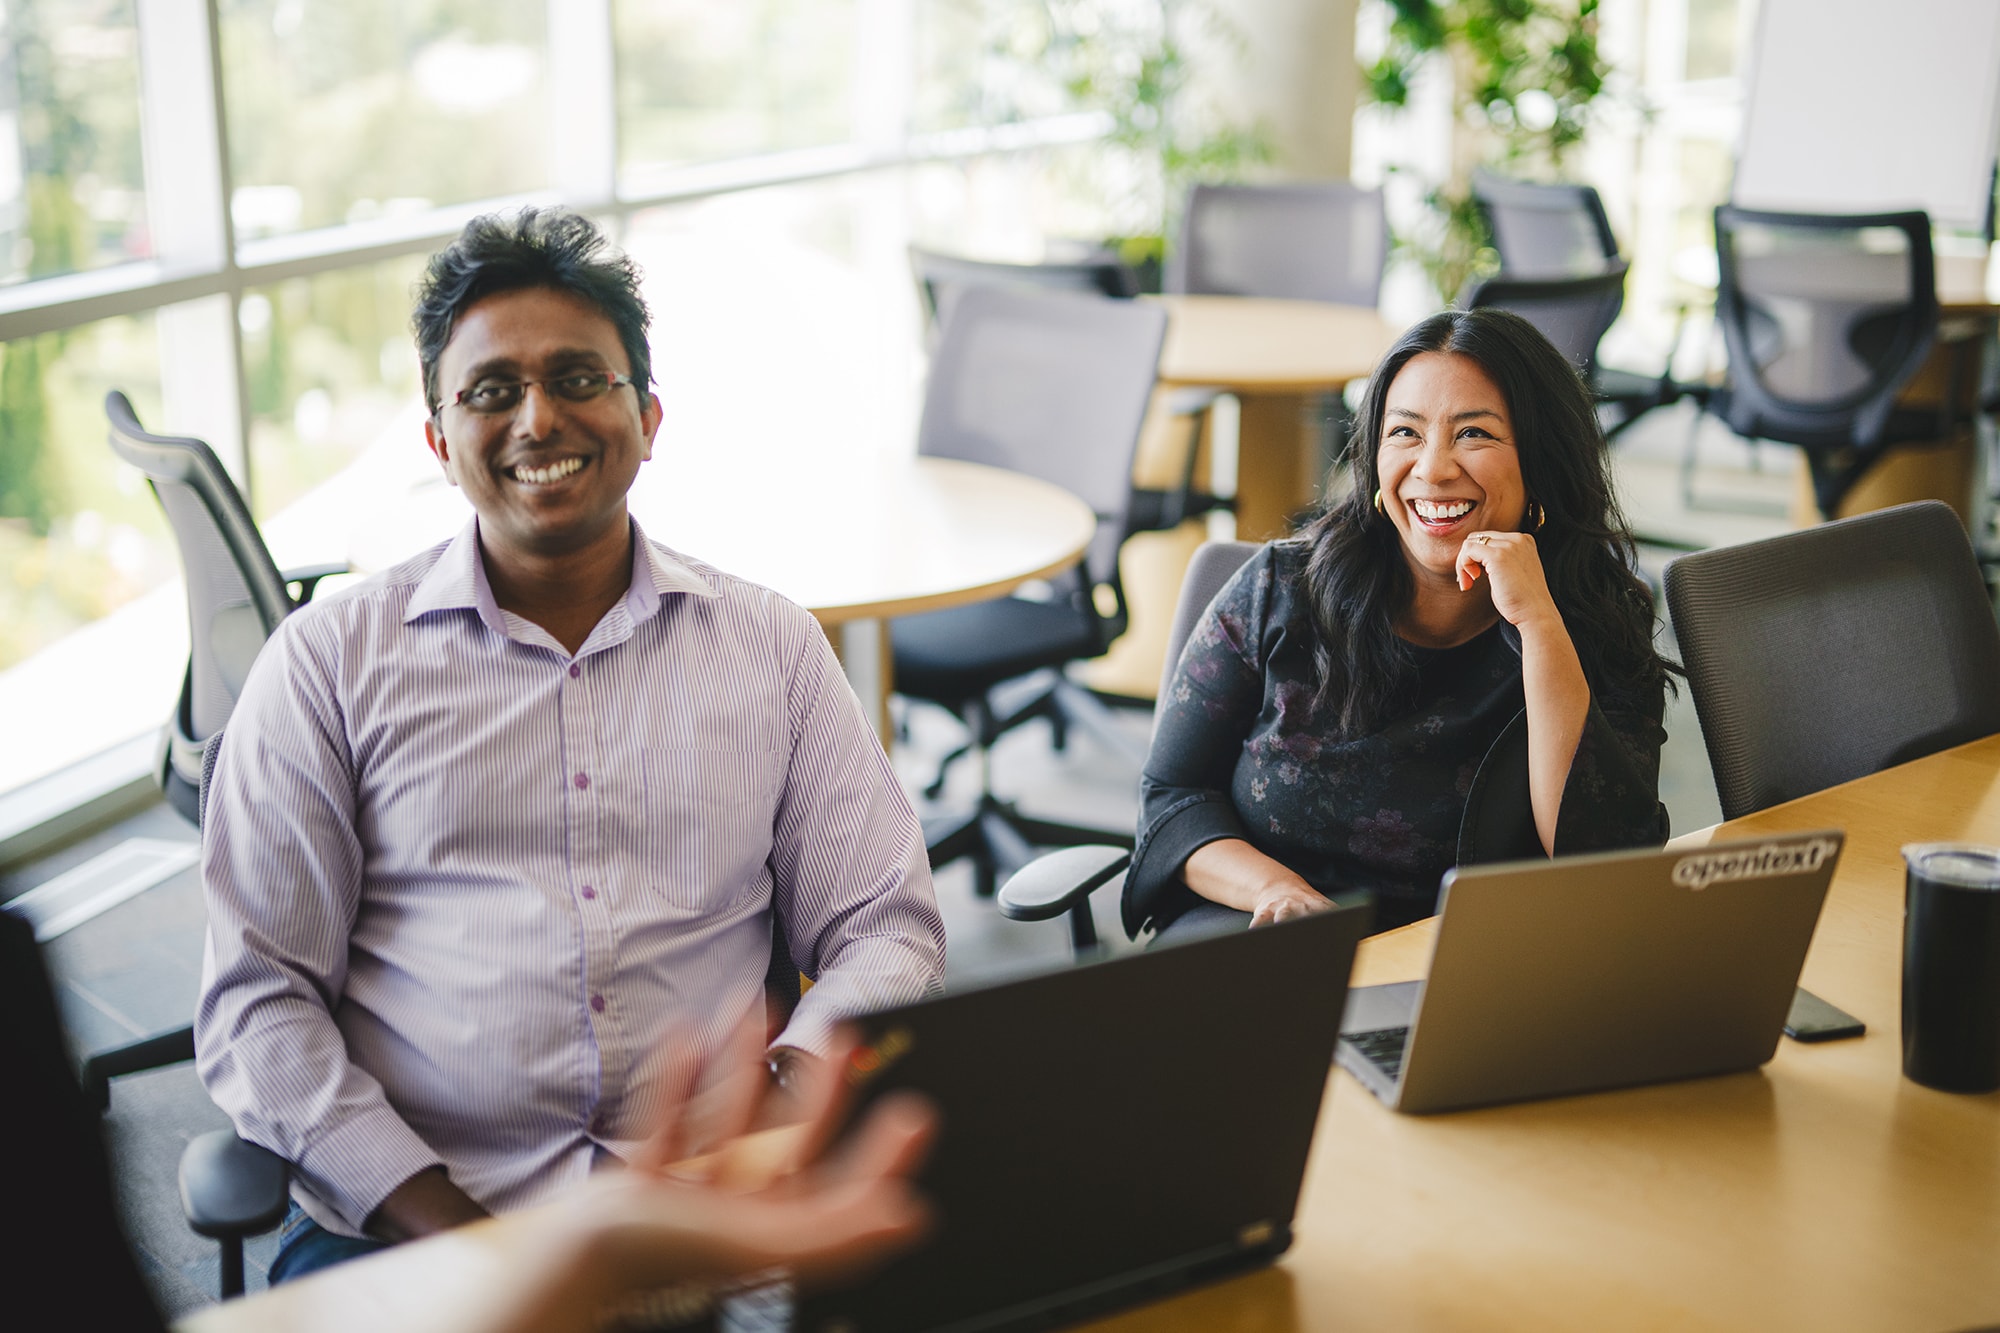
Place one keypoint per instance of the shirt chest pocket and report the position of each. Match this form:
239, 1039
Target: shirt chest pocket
708, 822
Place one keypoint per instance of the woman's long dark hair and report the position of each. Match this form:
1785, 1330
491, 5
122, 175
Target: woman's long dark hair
1357, 580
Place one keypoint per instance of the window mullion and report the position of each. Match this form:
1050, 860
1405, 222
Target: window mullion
185, 139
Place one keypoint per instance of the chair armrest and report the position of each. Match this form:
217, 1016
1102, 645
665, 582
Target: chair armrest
1051, 885
230, 1187
134, 1057
308, 577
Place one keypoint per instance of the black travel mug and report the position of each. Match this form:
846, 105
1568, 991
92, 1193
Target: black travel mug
1951, 966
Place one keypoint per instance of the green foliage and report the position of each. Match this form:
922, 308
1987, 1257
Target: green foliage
1526, 74
1140, 62
1143, 71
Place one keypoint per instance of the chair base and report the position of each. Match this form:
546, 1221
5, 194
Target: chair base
1000, 840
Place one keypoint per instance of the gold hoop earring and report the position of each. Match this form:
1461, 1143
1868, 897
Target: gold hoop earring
1378, 503
1541, 515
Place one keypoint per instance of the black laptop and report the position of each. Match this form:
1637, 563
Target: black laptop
1110, 1134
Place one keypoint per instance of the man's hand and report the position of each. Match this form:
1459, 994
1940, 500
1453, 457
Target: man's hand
425, 1203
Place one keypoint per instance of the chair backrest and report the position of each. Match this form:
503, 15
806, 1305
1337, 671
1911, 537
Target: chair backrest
1572, 313
1825, 316
1050, 384
1826, 654
1545, 231
235, 594
942, 277
1304, 241
1213, 565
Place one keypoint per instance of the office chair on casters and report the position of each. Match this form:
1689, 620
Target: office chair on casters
230, 1189
1826, 318
1830, 653
941, 278
1054, 386
1572, 313
1549, 232
236, 594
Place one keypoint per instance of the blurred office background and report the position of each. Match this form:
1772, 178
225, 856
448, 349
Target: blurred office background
766, 161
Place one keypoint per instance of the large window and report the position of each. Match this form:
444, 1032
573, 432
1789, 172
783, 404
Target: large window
235, 247
72, 195
698, 81
344, 112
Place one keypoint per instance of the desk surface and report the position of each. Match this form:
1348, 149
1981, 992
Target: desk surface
1824, 1191
1257, 345
846, 541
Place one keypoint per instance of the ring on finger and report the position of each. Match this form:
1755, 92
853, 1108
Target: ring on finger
1485, 539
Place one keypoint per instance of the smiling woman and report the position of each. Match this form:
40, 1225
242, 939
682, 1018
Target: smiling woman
1465, 621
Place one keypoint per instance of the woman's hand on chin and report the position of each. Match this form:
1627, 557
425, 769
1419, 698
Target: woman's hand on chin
1512, 564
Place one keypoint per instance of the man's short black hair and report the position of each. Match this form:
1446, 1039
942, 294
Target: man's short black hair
536, 247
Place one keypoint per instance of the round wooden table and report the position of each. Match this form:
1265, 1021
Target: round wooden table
854, 542
1274, 356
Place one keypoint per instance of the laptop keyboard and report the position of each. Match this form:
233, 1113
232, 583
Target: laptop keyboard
1382, 1048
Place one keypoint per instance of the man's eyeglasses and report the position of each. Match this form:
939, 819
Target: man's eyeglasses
497, 397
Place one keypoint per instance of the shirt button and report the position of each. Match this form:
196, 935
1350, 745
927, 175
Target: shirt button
574, 670
589, 892
582, 781
597, 1003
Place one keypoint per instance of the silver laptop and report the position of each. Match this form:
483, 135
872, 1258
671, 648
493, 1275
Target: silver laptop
1602, 971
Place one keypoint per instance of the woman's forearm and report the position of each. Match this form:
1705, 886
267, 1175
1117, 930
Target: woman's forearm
1558, 700
1232, 872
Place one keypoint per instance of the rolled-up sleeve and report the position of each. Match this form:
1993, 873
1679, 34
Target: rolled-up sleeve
851, 877
282, 872
1214, 697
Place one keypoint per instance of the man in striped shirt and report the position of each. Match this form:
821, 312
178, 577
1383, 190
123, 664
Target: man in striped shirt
483, 828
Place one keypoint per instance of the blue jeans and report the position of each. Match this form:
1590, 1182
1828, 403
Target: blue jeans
304, 1246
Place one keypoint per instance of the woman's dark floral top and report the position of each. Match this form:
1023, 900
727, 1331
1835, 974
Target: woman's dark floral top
1237, 753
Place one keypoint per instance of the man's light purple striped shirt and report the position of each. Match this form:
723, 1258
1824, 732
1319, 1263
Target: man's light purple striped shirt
460, 883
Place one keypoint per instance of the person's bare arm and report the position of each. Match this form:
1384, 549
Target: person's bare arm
424, 1204
1558, 696
1232, 872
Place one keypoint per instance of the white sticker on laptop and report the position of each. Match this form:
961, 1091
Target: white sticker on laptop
1765, 861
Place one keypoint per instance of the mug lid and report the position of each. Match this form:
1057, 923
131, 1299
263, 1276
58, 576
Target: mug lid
1965, 864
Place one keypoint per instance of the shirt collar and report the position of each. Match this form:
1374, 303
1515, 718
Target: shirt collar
457, 582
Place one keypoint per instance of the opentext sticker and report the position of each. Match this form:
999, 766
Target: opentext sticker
1765, 862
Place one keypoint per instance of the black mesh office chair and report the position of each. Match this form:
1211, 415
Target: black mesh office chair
1572, 313
236, 597
1497, 825
1827, 654
1055, 386
1827, 317
1553, 232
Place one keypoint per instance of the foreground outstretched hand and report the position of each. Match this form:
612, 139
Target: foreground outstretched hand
705, 1200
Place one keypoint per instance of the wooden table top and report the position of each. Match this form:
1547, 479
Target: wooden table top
1255, 345
846, 540
1824, 1191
